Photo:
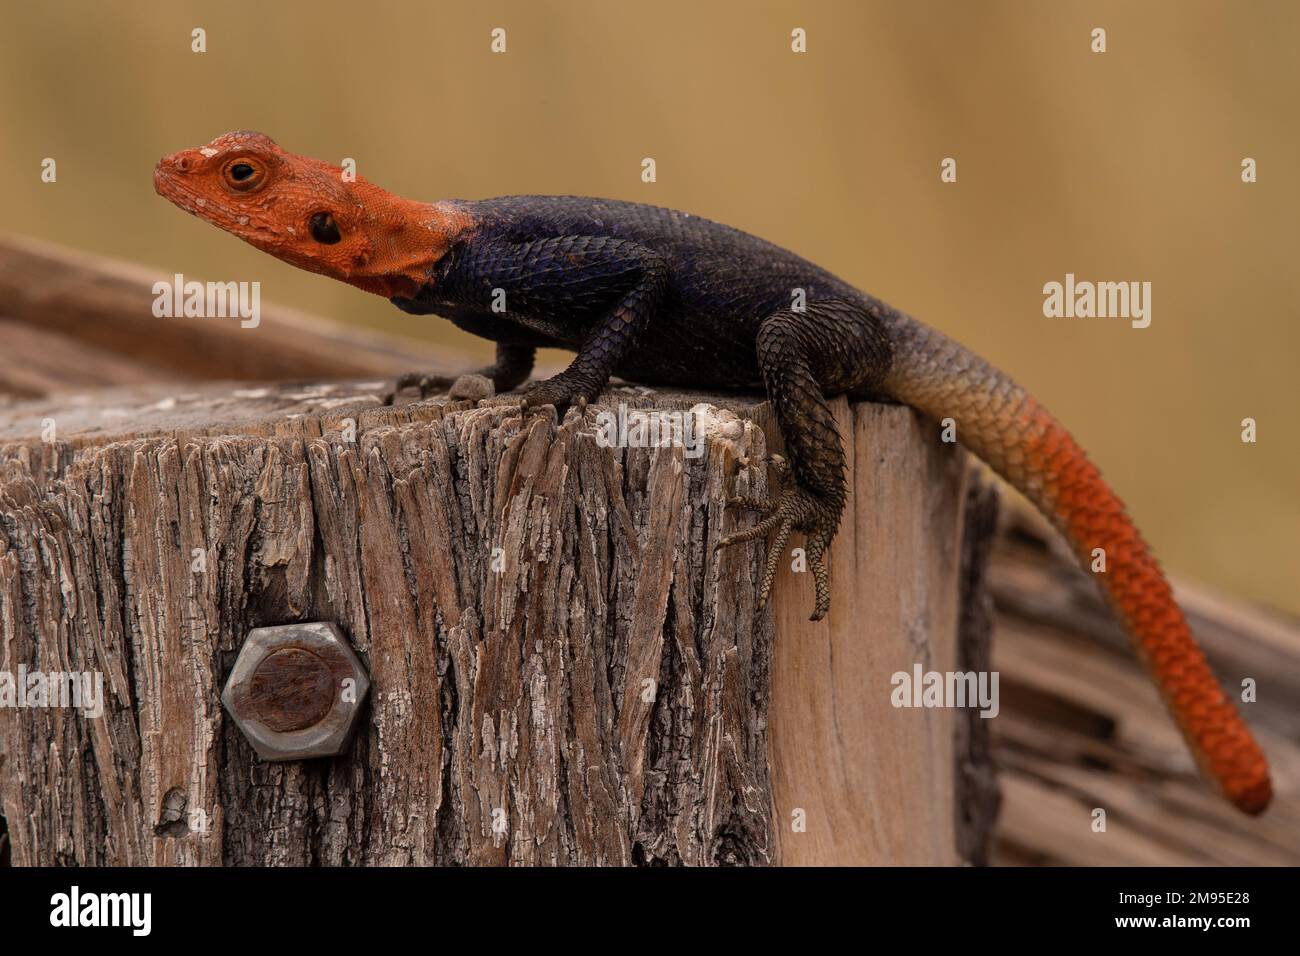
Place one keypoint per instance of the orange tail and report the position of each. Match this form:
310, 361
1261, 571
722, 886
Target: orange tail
1002, 424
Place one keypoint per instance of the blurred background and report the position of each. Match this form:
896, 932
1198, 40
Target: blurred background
1116, 166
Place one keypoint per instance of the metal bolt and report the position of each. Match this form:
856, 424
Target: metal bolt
296, 691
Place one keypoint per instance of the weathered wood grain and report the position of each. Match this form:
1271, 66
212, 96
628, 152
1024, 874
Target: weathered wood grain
873, 783
563, 670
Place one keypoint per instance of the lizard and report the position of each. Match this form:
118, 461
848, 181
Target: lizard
661, 297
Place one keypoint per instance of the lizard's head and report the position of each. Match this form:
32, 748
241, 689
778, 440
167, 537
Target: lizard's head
309, 213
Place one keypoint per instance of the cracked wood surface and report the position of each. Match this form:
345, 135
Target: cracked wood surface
563, 670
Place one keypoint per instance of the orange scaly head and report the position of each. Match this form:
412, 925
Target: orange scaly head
305, 212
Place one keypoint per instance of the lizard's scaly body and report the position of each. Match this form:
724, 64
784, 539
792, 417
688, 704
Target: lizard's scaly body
663, 297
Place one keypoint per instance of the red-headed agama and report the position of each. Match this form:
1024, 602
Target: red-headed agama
663, 297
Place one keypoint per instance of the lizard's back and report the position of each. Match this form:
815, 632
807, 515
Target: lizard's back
722, 282
719, 264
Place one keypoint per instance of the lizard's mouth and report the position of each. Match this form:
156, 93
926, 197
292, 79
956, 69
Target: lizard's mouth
170, 186
169, 182
170, 191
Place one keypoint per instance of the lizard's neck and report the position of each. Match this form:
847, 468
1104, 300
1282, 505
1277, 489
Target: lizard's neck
406, 240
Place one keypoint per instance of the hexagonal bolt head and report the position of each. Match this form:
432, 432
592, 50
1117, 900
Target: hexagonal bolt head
296, 691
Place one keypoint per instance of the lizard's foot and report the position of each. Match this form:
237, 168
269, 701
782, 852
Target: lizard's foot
795, 510
425, 383
564, 391
472, 386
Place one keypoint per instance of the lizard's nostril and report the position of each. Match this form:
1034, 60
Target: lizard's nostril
175, 163
162, 173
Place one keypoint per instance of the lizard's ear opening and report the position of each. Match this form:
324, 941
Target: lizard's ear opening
243, 174
324, 229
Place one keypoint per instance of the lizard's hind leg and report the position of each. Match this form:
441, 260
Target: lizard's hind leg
831, 348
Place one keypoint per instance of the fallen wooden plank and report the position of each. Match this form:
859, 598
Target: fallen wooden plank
38, 362
104, 305
1084, 729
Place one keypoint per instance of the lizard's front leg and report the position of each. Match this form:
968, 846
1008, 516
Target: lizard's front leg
636, 278
832, 347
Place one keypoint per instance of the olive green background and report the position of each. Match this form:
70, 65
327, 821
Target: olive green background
1119, 166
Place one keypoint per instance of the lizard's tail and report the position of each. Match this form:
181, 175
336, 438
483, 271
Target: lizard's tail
1002, 424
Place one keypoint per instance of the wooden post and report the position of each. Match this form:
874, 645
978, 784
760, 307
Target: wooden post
562, 669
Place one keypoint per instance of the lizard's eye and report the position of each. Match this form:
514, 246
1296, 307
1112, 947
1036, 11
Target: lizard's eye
324, 228
243, 174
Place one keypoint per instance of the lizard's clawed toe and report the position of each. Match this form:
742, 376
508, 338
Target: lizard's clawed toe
795, 510
471, 386
424, 382
558, 391
818, 543
763, 506
759, 530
